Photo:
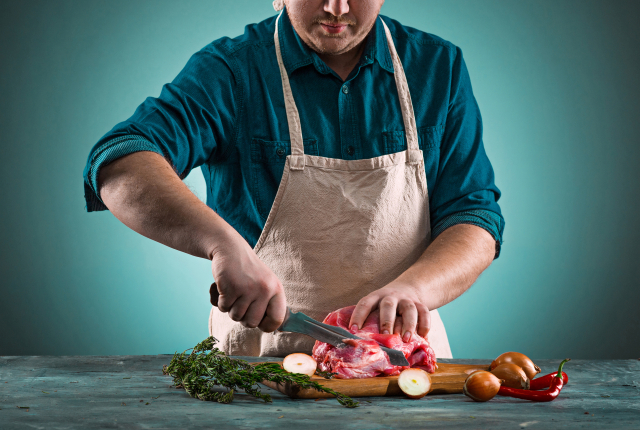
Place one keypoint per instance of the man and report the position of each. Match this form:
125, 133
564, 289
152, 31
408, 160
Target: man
344, 164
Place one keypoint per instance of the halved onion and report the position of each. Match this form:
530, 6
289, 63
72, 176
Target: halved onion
300, 363
513, 376
414, 383
521, 360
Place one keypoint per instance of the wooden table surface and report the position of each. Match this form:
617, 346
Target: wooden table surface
131, 392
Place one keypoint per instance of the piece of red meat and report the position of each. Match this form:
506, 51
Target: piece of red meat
364, 358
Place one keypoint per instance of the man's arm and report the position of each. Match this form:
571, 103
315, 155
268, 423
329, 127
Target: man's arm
464, 183
445, 270
143, 191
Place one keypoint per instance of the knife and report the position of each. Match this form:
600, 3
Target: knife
297, 322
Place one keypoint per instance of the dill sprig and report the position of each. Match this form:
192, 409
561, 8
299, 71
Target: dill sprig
206, 368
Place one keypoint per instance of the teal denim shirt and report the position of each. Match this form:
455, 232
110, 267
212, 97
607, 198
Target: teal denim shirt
225, 113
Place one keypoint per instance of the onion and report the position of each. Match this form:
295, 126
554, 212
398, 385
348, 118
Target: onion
513, 376
518, 359
415, 383
300, 363
482, 386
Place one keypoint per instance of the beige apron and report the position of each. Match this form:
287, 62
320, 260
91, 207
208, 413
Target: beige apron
338, 230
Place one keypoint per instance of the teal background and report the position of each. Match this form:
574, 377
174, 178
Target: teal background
557, 86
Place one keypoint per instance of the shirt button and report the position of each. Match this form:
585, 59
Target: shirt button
366, 58
280, 152
350, 150
345, 89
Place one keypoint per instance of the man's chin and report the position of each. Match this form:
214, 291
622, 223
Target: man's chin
336, 46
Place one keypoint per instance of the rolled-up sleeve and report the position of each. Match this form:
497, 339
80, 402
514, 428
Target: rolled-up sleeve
188, 123
465, 190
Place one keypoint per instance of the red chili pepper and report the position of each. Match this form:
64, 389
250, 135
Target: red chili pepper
537, 396
544, 382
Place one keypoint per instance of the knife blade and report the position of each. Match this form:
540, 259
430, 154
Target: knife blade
298, 322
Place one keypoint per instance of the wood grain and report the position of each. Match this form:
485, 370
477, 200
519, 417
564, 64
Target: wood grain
448, 379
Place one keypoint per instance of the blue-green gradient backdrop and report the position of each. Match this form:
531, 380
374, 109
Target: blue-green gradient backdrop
557, 84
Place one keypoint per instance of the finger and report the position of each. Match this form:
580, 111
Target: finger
397, 326
409, 313
239, 308
424, 319
213, 294
254, 314
276, 311
388, 311
362, 311
226, 301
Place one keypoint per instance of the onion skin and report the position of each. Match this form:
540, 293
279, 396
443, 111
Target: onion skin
482, 386
521, 360
513, 376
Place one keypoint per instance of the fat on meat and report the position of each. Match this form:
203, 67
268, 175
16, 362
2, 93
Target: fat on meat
364, 358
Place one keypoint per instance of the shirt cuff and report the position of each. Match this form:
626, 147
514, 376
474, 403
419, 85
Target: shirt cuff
103, 155
488, 220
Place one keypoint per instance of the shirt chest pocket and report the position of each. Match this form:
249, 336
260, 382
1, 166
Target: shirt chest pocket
267, 164
429, 139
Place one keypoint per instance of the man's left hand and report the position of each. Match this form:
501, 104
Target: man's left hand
401, 311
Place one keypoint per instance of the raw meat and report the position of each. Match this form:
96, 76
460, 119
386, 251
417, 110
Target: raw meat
364, 358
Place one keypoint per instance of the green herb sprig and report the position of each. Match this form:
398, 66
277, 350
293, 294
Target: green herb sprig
206, 368
325, 375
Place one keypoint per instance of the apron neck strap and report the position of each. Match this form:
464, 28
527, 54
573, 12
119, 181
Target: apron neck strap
293, 118
411, 131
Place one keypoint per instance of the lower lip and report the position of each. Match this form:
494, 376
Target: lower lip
333, 30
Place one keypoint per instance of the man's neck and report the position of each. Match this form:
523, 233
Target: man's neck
343, 64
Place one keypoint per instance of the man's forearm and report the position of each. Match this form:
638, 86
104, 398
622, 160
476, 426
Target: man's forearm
451, 264
143, 191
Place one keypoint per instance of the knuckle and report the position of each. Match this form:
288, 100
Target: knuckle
421, 308
365, 302
387, 323
250, 324
407, 305
277, 285
269, 286
408, 327
262, 287
388, 301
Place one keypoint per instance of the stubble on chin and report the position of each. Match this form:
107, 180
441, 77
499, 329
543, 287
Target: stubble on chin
314, 34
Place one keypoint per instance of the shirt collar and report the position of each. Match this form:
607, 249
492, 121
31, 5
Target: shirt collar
295, 53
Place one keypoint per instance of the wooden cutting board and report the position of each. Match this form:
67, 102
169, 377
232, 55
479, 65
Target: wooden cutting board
448, 379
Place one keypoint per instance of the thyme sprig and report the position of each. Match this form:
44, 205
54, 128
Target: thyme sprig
325, 375
206, 367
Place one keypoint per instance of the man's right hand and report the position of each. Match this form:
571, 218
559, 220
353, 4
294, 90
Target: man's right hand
248, 290
143, 191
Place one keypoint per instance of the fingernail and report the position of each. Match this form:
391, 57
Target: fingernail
407, 336
385, 331
354, 327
